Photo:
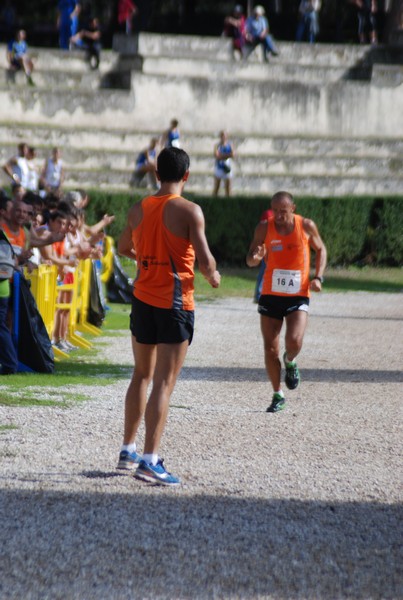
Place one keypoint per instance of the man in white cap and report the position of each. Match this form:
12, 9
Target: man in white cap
257, 32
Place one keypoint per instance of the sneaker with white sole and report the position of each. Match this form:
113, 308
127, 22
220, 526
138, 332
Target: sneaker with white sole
155, 474
128, 460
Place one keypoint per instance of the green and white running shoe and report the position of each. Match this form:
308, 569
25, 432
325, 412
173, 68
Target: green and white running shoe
277, 403
292, 377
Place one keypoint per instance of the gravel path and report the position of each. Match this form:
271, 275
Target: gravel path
306, 503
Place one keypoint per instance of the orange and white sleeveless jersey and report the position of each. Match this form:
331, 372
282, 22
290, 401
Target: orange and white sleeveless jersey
288, 261
165, 262
17, 240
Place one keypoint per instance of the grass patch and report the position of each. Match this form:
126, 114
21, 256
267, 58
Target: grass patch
36, 398
240, 282
5, 428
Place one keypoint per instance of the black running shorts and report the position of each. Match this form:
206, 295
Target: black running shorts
278, 307
152, 325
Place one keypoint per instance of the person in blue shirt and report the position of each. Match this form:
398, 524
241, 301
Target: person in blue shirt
146, 166
67, 21
171, 137
223, 154
257, 33
18, 57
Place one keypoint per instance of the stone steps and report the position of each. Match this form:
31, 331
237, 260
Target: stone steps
326, 185
312, 120
245, 164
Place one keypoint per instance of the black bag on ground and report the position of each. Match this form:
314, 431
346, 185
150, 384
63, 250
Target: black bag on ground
96, 311
34, 346
119, 288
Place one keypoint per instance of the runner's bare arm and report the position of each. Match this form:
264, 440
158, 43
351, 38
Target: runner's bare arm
257, 248
197, 237
317, 244
125, 243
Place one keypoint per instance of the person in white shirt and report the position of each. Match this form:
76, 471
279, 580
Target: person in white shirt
53, 173
17, 167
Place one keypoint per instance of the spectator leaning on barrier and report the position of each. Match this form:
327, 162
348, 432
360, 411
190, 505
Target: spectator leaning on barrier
8, 355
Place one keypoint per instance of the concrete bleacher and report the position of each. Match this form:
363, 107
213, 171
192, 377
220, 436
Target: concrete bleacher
319, 119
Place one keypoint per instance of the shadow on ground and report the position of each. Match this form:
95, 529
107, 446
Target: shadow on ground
156, 543
317, 375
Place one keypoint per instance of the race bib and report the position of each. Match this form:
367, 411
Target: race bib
286, 282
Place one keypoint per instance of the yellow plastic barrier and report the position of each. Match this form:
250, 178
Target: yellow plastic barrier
74, 306
43, 288
83, 298
107, 259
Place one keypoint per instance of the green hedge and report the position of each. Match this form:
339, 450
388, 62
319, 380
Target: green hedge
354, 229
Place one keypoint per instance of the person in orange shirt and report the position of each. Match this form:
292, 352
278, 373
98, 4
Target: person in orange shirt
164, 233
284, 242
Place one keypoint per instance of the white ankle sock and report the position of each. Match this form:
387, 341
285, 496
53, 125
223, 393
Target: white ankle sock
129, 447
150, 459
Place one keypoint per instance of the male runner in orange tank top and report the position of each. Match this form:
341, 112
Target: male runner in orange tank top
284, 241
164, 234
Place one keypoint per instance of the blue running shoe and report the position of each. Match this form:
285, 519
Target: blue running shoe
128, 460
155, 474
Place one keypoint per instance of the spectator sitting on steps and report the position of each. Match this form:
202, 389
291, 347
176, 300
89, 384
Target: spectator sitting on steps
234, 28
257, 33
90, 40
18, 58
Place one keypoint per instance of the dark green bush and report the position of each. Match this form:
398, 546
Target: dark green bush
388, 234
354, 229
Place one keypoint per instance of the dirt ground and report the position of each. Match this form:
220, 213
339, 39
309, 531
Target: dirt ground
306, 503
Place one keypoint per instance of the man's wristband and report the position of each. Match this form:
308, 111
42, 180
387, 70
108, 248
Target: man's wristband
319, 278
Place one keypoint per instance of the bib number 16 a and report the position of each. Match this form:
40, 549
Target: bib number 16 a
286, 282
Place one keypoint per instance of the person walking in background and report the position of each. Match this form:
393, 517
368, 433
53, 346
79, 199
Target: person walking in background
164, 233
171, 137
18, 56
146, 166
235, 28
67, 21
126, 12
257, 33
308, 21
284, 242
367, 26
264, 217
223, 154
